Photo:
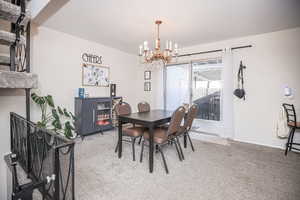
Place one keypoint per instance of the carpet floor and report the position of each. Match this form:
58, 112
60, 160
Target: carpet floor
236, 171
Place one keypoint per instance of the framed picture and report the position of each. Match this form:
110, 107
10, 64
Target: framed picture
147, 86
95, 75
147, 75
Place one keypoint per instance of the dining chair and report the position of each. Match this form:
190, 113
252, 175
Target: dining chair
188, 122
143, 106
293, 124
131, 131
163, 136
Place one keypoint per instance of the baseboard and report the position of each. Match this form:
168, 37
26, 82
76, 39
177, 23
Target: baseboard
258, 143
238, 140
212, 138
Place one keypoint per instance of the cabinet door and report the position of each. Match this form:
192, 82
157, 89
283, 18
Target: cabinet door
103, 114
78, 105
88, 117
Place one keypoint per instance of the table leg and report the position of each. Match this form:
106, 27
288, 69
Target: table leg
120, 138
151, 148
184, 140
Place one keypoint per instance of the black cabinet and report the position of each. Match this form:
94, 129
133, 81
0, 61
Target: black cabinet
93, 115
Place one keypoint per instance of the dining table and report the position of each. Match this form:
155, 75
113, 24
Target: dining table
150, 120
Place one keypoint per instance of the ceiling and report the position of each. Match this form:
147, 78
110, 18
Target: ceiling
125, 24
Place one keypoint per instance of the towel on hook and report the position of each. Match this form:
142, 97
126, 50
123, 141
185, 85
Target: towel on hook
282, 129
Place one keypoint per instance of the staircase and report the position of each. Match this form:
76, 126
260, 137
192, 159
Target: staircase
52, 171
15, 43
15, 63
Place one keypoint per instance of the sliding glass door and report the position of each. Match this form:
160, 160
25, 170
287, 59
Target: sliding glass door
207, 94
197, 82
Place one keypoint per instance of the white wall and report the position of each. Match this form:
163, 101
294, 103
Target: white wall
155, 96
273, 62
56, 58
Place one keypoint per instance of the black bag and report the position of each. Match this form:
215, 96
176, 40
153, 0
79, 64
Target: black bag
240, 92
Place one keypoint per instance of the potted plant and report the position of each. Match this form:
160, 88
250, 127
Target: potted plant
58, 119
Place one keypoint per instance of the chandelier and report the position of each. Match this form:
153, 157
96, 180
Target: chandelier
157, 55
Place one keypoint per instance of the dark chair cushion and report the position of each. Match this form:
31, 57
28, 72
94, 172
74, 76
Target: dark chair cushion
133, 131
160, 135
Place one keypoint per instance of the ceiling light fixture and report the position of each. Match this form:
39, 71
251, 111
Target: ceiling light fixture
149, 56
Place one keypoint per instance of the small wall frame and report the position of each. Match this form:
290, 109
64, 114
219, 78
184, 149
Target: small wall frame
147, 86
147, 75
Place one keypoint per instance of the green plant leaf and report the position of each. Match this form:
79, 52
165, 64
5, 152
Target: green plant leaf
55, 114
67, 124
66, 113
41, 100
49, 100
60, 111
68, 130
68, 133
56, 124
37, 99
33, 96
72, 127
73, 117
41, 124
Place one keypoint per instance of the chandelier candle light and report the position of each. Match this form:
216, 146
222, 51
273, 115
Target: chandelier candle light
148, 56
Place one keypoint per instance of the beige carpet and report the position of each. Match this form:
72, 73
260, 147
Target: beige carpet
236, 171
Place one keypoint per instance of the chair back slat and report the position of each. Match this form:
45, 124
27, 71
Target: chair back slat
123, 108
144, 107
290, 113
176, 120
191, 115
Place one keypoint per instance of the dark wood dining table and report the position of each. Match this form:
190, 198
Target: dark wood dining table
150, 119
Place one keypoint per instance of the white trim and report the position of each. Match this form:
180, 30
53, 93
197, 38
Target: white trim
209, 138
266, 145
196, 137
260, 144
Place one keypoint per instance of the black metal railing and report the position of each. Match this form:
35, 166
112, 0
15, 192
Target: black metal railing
20, 53
210, 107
42, 153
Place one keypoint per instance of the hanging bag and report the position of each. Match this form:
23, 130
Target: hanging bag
240, 92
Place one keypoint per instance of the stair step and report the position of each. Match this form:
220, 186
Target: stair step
11, 12
4, 68
19, 80
5, 60
8, 38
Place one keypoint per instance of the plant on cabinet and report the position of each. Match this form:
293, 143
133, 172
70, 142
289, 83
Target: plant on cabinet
54, 117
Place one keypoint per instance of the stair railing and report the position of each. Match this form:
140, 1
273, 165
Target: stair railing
20, 52
43, 154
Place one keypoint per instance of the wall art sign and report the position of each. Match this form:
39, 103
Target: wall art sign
91, 58
94, 75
